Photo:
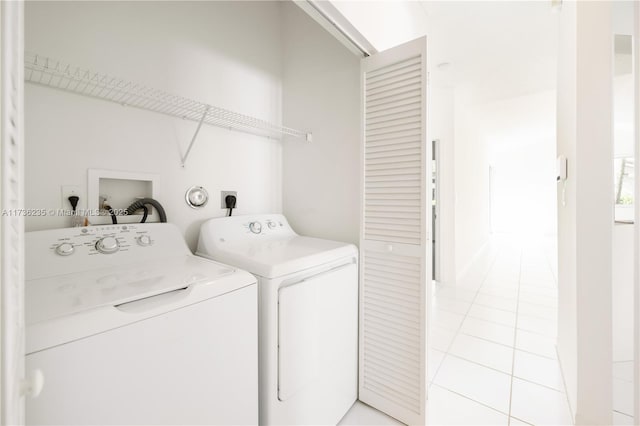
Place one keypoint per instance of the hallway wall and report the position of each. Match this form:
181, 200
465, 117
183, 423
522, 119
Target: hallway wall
515, 137
521, 136
471, 155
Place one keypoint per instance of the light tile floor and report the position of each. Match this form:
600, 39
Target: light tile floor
623, 392
492, 344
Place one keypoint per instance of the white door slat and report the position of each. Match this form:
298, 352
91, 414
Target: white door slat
393, 137
381, 348
397, 381
385, 311
392, 273
391, 112
411, 203
392, 130
397, 191
395, 178
393, 215
391, 75
392, 295
383, 147
372, 174
391, 108
415, 60
373, 384
377, 381
411, 74
390, 101
393, 281
408, 345
413, 81
409, 292
393, 153
389, 285
393, 122
393, 233
391, 260
394, 183
382, 144
392, 365
396, 166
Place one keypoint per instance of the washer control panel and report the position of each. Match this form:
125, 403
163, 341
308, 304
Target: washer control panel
101, 240
90, 247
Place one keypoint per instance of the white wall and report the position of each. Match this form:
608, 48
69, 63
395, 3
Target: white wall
567, 286
385, 23
521, 134
224, 53
471, 153
321, 92
516, 138
585, 223
623, 292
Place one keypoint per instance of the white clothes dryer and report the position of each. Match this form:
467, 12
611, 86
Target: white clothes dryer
308, 315
128, 327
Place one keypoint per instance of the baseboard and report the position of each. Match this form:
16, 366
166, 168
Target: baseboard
564, 383
473, 260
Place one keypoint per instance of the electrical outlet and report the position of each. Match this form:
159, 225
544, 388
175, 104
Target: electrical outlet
67, 191
223, 195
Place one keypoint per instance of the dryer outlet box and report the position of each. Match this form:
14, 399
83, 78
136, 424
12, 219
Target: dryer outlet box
223, 195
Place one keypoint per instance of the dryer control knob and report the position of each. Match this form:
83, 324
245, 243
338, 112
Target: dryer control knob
65, 249
271, 225
107, 245
144, 240
255, 227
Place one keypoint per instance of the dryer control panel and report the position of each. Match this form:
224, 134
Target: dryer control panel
267, 225
240, 229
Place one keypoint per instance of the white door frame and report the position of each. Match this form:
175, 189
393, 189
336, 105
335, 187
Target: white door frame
435, 220
636, 279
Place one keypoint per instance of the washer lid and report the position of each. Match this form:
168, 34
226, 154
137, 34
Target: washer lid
271, 258
62, 295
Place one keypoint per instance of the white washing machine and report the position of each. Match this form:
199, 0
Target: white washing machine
308, 315
128, 327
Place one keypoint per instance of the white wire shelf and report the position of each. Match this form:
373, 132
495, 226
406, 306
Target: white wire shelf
49, 72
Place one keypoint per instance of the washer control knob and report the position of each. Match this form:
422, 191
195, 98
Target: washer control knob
255, 227
107, 245
271, 225
144, 240
65, 249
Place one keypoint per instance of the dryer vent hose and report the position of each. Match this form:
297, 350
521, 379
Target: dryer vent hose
141, 204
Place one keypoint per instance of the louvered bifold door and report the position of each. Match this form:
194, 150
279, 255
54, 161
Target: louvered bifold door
394, 237
11, 220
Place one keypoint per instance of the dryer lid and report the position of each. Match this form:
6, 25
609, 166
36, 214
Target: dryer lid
272, 252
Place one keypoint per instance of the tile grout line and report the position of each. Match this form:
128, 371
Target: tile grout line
471, 399
457, 331
508, 346
497, 371
515, 337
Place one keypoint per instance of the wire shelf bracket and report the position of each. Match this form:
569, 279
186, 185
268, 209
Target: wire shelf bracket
195, 135
45, 71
